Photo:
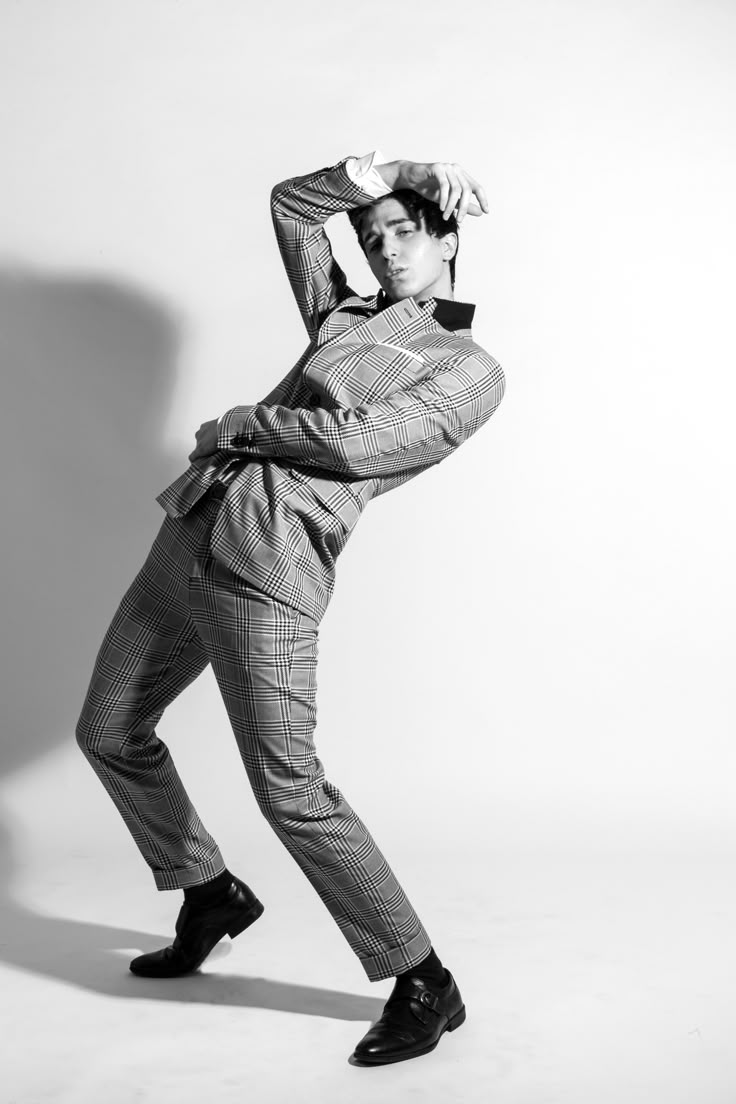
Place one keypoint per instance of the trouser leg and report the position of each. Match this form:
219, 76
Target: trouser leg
149, 654
264, 656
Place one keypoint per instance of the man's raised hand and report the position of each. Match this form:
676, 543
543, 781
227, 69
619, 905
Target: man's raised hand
447, 184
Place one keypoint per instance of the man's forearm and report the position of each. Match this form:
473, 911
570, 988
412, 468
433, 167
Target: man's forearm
419, 426
391, 174
299, 207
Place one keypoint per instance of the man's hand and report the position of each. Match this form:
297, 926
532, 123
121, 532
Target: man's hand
444, 182
206, 440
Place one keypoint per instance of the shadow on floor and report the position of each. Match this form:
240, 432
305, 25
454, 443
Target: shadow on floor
95, 957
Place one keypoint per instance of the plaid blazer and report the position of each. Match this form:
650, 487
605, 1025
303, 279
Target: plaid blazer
382, 393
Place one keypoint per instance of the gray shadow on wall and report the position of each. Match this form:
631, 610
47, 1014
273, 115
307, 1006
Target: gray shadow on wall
88, 367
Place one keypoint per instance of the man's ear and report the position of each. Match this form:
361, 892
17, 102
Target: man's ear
449, 246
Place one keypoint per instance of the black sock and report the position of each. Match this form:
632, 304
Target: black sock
209, 893
430, 969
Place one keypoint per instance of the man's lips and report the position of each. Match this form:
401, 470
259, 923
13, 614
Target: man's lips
395, 272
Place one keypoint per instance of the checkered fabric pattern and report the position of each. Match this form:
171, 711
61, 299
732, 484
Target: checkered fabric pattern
183, 611
378, 397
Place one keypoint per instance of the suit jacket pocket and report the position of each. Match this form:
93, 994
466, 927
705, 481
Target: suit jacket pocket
332, 500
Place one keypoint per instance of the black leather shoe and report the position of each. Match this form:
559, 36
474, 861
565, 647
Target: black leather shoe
413, 1021
198, 929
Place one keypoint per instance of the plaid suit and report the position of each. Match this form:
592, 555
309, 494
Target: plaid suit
243, 569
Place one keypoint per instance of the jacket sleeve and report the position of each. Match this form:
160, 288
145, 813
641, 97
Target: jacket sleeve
299, 209
285, 388
413, 428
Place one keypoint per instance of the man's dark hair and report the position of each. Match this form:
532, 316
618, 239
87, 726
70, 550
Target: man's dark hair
423, 212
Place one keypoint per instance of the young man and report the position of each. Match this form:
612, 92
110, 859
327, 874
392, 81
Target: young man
243, 568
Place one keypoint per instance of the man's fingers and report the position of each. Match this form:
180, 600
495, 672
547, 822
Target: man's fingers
480, 194
482, 198
440, 173
465, 200
454, 194
457, 190
472, 188
453, 189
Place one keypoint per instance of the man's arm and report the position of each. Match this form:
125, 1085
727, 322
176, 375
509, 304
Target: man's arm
415, 427
299, 208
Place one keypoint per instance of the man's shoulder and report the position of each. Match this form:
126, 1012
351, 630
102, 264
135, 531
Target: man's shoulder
349, 312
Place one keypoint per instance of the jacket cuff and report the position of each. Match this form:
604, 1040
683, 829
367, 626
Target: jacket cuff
362, 172
232, 430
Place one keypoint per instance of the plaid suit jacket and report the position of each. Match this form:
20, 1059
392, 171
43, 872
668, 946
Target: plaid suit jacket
381, 394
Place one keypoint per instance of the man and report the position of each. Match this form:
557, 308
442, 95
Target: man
244, 564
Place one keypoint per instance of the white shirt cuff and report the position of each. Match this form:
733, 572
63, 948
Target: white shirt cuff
362, 172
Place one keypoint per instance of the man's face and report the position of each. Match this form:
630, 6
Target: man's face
404, 258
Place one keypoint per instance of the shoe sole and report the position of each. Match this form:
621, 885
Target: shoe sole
454, 1022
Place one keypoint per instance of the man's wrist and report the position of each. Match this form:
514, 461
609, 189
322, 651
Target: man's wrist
364, 174
391, 174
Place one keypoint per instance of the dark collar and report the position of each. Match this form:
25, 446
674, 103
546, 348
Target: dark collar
450, 314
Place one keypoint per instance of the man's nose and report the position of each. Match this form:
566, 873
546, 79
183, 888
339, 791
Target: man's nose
388, 249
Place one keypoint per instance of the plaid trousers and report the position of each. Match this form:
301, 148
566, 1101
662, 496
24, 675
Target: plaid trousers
184, 610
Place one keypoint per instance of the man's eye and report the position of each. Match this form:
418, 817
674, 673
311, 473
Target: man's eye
400, 232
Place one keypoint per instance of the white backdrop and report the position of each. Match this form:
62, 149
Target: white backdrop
531, 642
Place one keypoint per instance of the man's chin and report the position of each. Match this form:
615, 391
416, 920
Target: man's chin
396, 292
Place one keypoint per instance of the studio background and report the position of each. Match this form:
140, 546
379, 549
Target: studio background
525, 671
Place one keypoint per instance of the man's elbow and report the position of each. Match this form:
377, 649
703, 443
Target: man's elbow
499, 387
500, 383
494, 389
278, 195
